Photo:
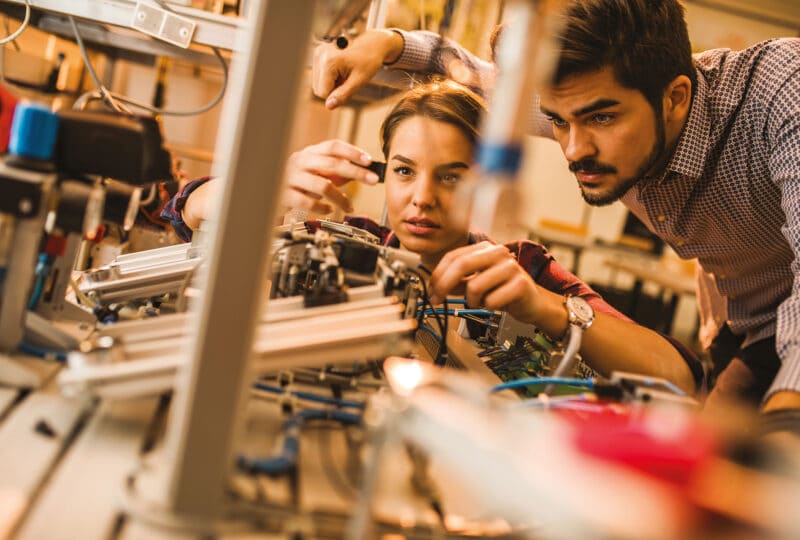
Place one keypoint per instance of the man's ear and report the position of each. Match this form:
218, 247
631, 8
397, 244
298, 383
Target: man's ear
677, 98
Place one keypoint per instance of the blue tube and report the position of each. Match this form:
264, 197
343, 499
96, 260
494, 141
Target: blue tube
41, 352
42, 271
287, 459
565, 381
458, 312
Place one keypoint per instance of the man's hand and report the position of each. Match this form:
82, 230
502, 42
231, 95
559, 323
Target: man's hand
337, 74
315, 174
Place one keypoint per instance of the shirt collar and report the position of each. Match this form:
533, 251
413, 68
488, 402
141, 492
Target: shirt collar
690, 153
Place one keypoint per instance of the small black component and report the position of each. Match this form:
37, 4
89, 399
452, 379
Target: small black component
21, 198
342, 42
358, 257
379, 168
324, 297
43, 428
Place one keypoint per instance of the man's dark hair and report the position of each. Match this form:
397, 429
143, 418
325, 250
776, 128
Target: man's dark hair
645, 42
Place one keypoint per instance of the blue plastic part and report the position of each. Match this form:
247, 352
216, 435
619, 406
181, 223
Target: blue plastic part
34, 130
499, 158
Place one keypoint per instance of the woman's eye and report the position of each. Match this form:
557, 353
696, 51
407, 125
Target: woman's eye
403, 171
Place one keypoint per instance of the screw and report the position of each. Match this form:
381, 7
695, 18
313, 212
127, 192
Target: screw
25, 205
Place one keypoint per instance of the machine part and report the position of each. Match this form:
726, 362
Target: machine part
126, 148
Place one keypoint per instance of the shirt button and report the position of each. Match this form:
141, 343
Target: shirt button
661, 218
723, 276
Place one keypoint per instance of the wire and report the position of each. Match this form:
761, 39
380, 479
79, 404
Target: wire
22, 26
462, 312
286, 460
441, 353
41, 273
117, 101
41, 352
104, 92
309, 396
562, 381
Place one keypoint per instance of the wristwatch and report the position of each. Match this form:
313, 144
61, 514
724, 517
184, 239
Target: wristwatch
579, 312
580, 316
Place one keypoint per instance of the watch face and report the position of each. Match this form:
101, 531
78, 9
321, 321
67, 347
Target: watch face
581, 308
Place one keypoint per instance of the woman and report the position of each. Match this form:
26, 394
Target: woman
428, 140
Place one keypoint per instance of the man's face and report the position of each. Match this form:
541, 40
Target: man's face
610, 135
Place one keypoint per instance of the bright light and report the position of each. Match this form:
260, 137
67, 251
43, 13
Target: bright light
403, 374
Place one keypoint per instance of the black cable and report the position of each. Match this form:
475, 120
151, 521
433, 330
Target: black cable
441, 353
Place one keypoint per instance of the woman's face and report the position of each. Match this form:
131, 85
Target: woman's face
427, 159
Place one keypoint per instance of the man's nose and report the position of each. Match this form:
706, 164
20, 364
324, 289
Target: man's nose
579, 145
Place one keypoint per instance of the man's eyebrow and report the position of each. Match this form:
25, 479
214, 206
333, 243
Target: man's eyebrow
591, 107
453, 165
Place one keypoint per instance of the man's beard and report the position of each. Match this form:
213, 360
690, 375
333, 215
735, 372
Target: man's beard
589, 166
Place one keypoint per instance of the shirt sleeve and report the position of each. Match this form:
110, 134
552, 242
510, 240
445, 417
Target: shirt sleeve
172, 210
784, 163
428, 52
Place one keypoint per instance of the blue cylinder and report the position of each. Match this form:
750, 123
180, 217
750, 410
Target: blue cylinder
33, 131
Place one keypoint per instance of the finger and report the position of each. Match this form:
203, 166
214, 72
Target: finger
322, 188
324, 70
464, 262
350, 84
305, 201
339, 170
500, 285
451, 256
451, 273
344, 150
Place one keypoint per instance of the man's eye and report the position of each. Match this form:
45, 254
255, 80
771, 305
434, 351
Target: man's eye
450, 179
557, 122
602, 119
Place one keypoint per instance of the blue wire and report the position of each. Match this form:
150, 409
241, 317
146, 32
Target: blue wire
565, 381
459, 312
652, 383
41, 352
41, 272
287, 458
309, 396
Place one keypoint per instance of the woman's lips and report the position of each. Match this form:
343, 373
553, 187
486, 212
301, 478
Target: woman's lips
421, 226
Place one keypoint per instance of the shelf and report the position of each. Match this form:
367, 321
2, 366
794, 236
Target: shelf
220, 31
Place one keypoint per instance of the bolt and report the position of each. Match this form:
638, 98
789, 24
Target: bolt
25, 205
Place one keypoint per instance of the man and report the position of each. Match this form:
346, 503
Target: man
704, 150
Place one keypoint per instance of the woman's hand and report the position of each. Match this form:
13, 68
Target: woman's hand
315, 175
489, 276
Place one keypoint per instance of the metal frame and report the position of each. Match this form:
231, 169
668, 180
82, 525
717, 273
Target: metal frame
215, 30
257, 120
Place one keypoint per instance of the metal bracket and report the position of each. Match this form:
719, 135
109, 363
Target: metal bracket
163, 24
